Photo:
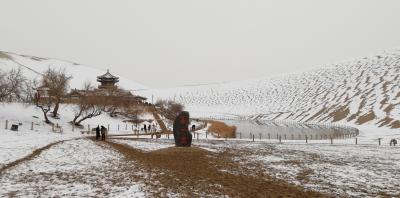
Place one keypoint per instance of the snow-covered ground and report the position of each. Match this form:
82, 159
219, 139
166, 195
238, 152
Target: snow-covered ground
150, 145
76, 168
18, 144
340, 170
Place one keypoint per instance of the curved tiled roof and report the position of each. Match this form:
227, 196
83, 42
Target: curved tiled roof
107, 75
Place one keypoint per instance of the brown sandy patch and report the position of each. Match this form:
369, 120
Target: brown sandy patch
5, 56
395, 124
195, 172
340, 113
366, 118
222, 129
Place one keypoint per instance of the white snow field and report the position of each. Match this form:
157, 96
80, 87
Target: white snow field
77, 168
33, 67
360, 91
339, 170
18, 144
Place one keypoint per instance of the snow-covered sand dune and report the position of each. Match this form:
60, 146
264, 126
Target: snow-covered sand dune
358, 91
33, 67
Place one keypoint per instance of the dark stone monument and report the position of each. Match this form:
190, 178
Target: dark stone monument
182, 136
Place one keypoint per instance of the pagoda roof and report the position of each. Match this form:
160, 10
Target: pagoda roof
108, 75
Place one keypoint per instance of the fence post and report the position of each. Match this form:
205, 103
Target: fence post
88, 127
260, 135
108, 127
379, 139
118, 127
280, 139
126, 126
331, 140
32, 126
285, 136
206, 134
306, 139
6, 124
253, 138
269, 136
356, 141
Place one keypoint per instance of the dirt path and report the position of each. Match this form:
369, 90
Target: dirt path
195, 172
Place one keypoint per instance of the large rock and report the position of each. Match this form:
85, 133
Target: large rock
182, 136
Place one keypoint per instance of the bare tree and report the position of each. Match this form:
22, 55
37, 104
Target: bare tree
175, 108
11, 85
46, 107
45, 104
58, 82
169, 109
89, 105
117, 104
29, 90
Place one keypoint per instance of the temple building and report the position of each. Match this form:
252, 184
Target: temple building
108, 87
107, 81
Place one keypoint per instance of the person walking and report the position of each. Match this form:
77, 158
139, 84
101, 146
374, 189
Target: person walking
97, 132
103, 133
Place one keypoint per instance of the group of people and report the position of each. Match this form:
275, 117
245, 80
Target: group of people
101, 131
149, 128
393, 142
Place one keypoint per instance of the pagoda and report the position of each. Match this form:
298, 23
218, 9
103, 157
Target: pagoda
107, 81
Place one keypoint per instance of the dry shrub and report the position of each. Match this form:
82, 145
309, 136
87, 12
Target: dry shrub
170, 109
224, 130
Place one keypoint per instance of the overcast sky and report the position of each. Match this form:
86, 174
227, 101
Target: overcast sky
181, 42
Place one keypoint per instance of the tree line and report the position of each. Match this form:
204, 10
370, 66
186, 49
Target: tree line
14, 87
